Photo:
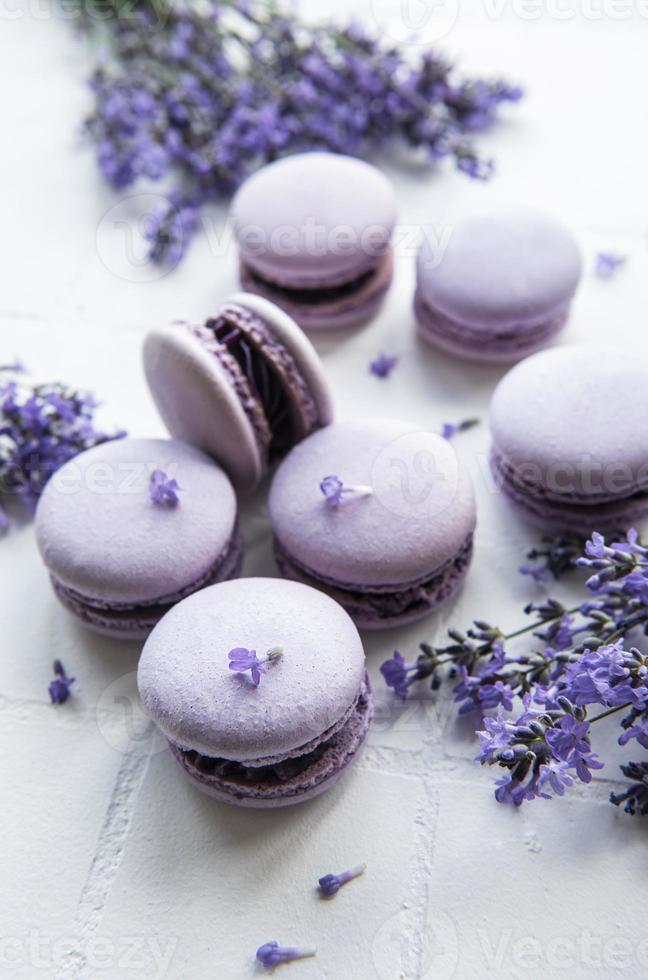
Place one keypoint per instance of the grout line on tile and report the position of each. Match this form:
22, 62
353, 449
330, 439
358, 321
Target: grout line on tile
108, 853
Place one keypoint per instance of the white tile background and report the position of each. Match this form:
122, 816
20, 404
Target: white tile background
112, 866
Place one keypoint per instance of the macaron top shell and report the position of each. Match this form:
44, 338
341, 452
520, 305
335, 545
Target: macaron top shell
501, 269
101, 535
188, 689
311, 218
576, 414
198, 402
417, 518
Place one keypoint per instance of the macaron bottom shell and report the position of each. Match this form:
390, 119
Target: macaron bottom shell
570, 514
493, 347
327, 307
136, 622
375, 609
283, 782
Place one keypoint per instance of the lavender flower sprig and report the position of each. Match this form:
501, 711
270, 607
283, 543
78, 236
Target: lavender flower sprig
272, 954
42, 426
205, 95
583, 669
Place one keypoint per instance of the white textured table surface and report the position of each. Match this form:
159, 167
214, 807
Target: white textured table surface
112, 866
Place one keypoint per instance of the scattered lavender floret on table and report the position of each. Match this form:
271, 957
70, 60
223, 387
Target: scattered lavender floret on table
383, 365
59, 688
607, 264
330, 884
206, 95
272, 954
450, 429
163, 490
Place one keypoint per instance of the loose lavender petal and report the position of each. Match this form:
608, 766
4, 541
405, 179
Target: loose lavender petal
607, 264
330, 884
59, 688
272, 954
383, 365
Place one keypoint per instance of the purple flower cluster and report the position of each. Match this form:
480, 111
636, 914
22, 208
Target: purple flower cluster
206, 95
580, 669
41, 427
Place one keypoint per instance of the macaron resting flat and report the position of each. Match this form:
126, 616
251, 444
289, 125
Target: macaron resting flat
570, 438
395, 540
118, 560
500, 288
282, 741
314, 232
245, 387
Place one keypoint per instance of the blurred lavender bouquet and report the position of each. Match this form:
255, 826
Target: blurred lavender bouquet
42, 426
202, 94
583, 666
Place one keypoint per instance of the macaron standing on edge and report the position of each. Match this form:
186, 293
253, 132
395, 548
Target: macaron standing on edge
244, 387
122, 550
501, 287
282, 740
314, 232
569, 430
392, 535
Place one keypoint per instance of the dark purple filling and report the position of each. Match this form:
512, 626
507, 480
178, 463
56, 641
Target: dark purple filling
279, 772
305, 295
276, 386
385, 604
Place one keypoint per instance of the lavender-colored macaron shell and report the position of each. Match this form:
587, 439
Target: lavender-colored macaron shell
578, 417
314, 219
513, 268
187, 688
198, 402
418, 517
100, 534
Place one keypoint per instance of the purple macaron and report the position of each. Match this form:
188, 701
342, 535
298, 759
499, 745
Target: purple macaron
378, 514
245, 386
500, 288
132, 526
314, 232
266, 738
570, 438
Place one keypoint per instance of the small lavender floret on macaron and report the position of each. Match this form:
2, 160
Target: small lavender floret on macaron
277, 742
390, 556
314, 233
607, 264
569, 439
499, 287
120, 548
251, 368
